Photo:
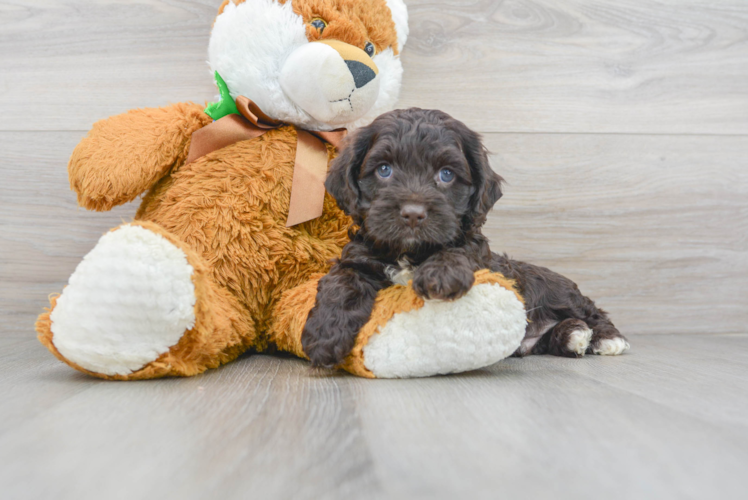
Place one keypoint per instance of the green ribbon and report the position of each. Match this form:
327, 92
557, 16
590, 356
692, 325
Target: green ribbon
226, 106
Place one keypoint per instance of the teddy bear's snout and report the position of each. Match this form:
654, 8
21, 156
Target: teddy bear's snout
331, 80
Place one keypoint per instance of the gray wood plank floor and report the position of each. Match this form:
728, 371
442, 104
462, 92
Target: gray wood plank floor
668, 420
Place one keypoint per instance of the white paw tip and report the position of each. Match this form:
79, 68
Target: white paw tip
128, 302
579, 340
612, 347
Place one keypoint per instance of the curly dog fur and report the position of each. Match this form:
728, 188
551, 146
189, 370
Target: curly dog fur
418, 185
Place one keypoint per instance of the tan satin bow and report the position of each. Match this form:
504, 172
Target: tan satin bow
310, 167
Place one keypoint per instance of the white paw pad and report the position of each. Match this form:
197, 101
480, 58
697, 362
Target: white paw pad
128, 302
611, 347
579, 341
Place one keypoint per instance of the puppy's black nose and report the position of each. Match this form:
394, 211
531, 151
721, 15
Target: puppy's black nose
413, 214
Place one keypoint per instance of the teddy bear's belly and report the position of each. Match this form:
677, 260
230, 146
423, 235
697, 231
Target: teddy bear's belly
231, 207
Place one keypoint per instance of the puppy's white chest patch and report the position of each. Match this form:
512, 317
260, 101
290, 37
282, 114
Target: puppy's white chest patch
402, 273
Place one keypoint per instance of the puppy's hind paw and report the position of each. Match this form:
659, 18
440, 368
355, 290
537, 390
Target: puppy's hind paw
611, 347
579, 340
570, 338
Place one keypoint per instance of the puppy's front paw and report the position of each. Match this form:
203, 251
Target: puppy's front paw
326, 341
322, 355
433, 281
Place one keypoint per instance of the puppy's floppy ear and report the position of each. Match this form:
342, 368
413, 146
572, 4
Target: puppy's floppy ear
490, 190
486, 182
342, 179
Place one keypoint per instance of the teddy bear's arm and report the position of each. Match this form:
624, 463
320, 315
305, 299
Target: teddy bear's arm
123, 156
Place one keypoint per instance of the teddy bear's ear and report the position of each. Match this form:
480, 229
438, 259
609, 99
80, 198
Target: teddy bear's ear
342, 179
400, 16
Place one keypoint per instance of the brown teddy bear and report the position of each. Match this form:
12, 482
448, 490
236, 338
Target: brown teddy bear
235, 226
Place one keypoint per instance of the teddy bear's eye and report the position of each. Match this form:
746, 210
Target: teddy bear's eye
369, 49
318, 23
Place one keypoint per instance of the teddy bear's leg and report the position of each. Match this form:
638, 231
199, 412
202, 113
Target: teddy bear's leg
409, 337
142, 304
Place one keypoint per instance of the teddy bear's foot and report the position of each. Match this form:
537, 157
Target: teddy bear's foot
144, 305
141, 305
130, 300
409, 337
478, 330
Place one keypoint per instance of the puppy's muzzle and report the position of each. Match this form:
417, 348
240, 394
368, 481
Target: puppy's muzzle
333, 81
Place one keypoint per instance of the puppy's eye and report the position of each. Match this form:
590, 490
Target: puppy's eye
318, 23
369, 49
384, 171
446, 175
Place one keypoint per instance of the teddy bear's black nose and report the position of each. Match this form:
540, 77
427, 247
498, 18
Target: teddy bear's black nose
362, 74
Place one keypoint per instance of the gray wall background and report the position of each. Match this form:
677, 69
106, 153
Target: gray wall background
621, 128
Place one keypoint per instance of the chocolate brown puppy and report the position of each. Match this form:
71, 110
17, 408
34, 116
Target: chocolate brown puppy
418, 185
